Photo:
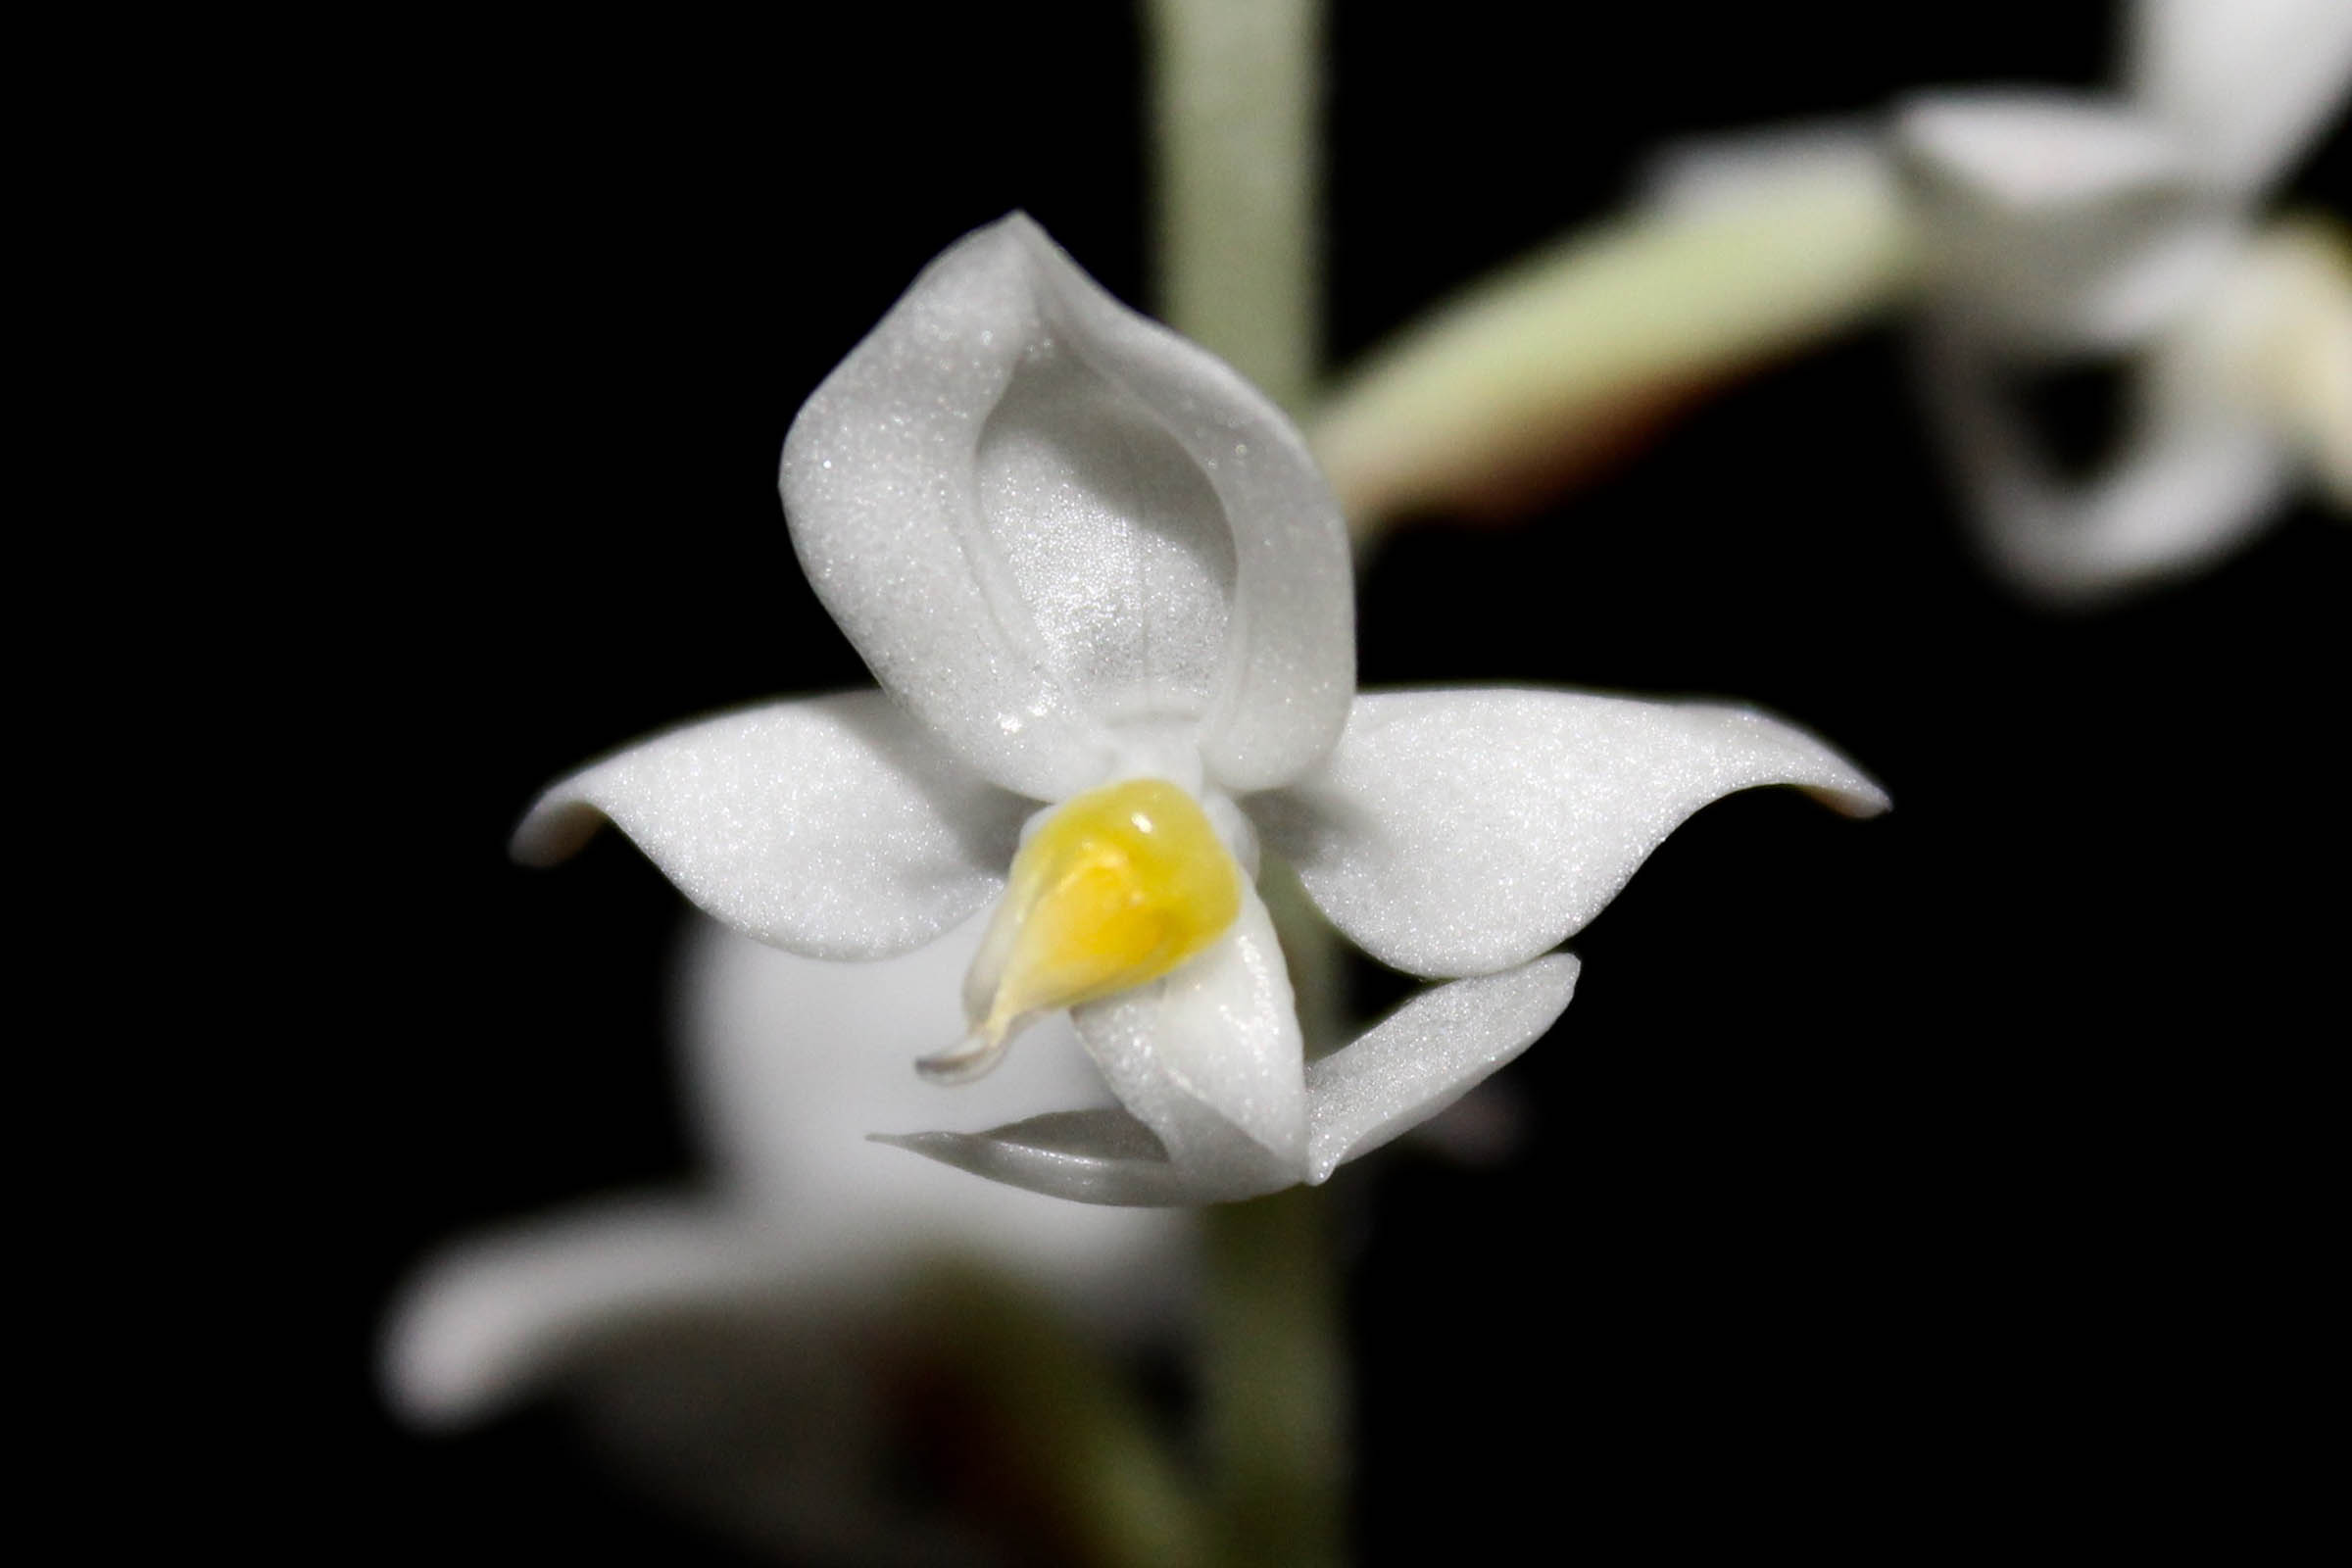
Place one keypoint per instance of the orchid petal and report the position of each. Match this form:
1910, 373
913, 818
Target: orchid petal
1209, 1058
1427, 1054
1463, 832
832, 827
2247, 85
2054, 224
1039, 516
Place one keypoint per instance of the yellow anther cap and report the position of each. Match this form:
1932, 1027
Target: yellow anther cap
1115, 889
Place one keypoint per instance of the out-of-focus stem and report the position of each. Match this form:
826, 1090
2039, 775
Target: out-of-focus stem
1237, 103
1538, 371
1236, 106
1274, 1381
1081, 1446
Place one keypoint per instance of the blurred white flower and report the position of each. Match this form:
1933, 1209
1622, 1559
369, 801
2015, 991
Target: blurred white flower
2029, 229
731, 1346
2055, 229
1092, 567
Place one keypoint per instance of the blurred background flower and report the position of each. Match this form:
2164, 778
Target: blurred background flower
2066, 230
2027, 231
784, 1344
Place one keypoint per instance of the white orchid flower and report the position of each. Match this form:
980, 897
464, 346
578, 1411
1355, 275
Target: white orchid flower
2053, 228
1108, 597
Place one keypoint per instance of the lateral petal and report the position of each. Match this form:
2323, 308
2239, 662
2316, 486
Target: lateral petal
831, 827
1427, 1054
1463, 832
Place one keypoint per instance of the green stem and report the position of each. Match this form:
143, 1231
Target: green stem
1274, 1389
1275, 1392
1068, 1430
1237, 105
1552, 362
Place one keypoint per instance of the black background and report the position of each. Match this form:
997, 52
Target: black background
1935, 1179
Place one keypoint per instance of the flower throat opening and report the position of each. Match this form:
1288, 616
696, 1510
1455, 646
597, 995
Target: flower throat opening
1115, 889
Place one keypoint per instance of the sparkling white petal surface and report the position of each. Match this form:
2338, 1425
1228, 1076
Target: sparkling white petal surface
1287, 670
1209, 1058
1427, 1054
1463, 832
1207, 1063
2245, 83
1413, 1064
1040, 515
832, 826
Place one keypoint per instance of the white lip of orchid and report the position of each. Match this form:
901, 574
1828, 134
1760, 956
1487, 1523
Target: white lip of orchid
1024, 502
